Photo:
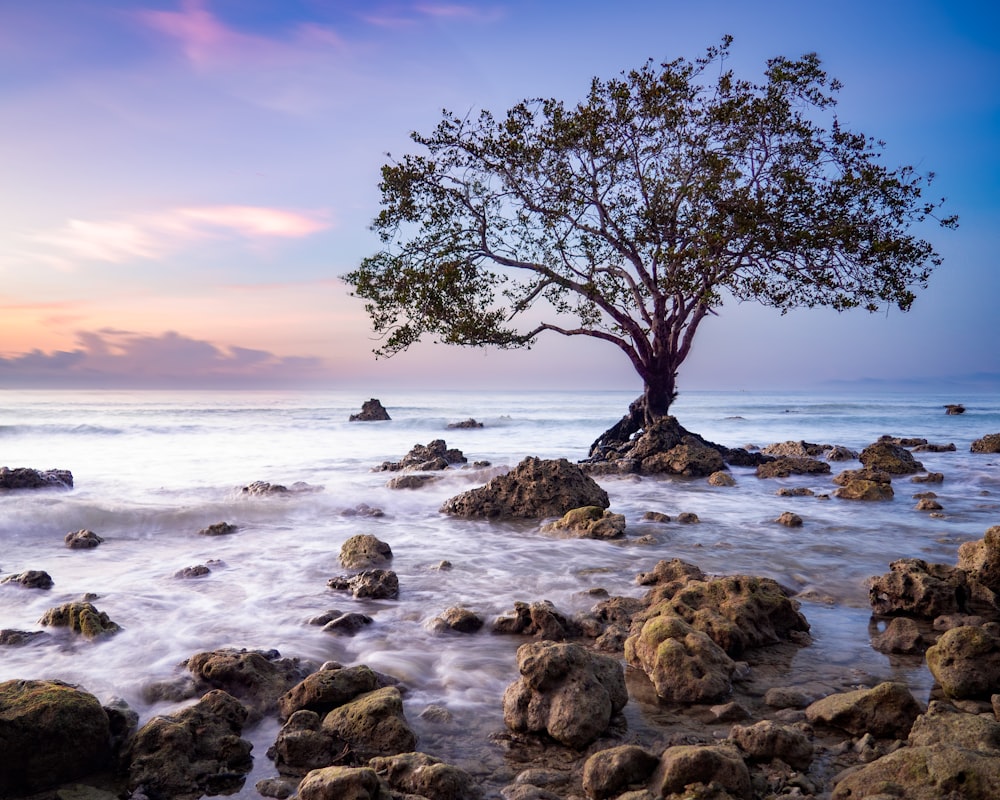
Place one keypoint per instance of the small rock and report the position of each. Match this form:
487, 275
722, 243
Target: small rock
82, 540
790, 520
219, 529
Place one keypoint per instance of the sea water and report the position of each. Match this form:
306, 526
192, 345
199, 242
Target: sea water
153, 469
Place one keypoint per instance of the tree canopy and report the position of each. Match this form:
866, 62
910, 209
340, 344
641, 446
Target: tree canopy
632, 215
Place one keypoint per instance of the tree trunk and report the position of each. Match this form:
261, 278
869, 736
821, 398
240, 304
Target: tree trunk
657, 397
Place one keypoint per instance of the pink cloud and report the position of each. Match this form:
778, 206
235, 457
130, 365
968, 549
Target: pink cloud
154, 235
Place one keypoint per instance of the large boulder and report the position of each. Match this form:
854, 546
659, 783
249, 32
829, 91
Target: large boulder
343, 783
784, 466
914, 587
736, 611
886, 711
371, 411
799, 449
686, 766
565, 691
990, 443
81, 618
966, 662
888, 457
195, 752
534, 489
372, 725
981, 559
50, 733
364, 551
256, 677
664, 447
28, 478
326, 689
683, 664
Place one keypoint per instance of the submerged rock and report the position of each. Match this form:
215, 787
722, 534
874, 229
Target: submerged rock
589, 522
82, 540
219, 529
792, 465
433, 456
50, 733
28, 478
371, 411
32, 579
535, 489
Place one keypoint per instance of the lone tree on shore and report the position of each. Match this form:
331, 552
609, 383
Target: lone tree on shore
634, 214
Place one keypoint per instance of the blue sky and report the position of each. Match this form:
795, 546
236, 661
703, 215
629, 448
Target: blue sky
183, 181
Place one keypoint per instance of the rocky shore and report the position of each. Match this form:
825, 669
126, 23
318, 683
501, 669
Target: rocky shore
709, 657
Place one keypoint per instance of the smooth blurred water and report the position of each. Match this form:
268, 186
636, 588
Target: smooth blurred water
152, 469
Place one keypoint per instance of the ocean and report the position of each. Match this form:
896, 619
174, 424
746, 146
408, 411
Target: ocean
152, 469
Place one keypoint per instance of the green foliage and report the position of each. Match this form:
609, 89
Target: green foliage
632, 215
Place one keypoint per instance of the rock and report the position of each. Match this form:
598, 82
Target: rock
263, 489
688, 518
465, 424
278, 788
656, 516
942, 723
302, 745
364, 551
886, 711
721, 478
14, 638
458, 619
787, 697
348, 624
363, 510
589, 522
729, 712
371, 411
433, 456
840, 453
425, 776
916, 588
927, 504
799, 449
540, 619
50, 733
197, 571
32, 579
792, 465
687, 765
410, 481
371, 725
982, 559
930, 477
342, 783
954, 408
767, 740
892, 458
608, 773
988, 444
565, 691
28, 478
861, 489
256, 677
82, 540
966, 662
194, 752
925, 773
664, 447
736, 611
219, 529
535, 489
683, 664
795, 491
902, 636
327, 689
789, 520
81, 618
934, 448
377, 584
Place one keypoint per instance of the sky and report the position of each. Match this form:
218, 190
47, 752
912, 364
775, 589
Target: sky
182, 182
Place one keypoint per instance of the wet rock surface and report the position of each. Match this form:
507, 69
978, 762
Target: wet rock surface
371, 411
29, 478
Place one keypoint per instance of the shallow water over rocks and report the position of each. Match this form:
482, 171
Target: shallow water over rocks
153, 470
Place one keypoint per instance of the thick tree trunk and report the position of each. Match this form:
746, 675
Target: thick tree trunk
657, 397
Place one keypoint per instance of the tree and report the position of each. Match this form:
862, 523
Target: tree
631, 216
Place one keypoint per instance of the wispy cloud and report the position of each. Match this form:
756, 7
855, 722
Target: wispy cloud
397, 16
154, 235
110, 357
